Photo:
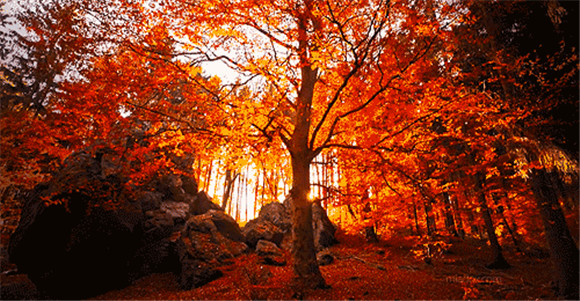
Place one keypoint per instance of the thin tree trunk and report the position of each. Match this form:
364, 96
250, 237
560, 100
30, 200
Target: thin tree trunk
234, 196
239, 197
246, 186
416, 218
429, 220
325, 192
208, 176
472, 225
264, 183
510, 231
228, 187
198, 173
449, 220
500, 211
370, 234
457, 212
256, 189
499, 261
349, 207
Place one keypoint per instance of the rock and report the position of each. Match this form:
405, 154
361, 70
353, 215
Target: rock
226, 225
68, 253
200, 223
5, 264
203, 246
172, 186
277, 214
202, 204
275, 261
155, 256
202, 239
324, 259
323, 228
175, 210
189, 185
18, 287
270, 253
150, 200
265, 248
96, 237
258, 229
288, 203
196, 273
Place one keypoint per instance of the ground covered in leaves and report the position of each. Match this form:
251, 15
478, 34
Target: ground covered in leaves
398, 268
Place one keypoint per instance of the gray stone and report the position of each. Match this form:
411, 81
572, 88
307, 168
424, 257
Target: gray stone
323, 228
80, 250
277, 214
226, 225
270, 253
202, 203
258, 229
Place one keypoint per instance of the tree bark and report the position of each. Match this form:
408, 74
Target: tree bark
460, 229
500, 210
228, 187
303, 251
449, 219
305, 264
370, 233
499, 261
429, 220
208, 177
563, 250
416, 219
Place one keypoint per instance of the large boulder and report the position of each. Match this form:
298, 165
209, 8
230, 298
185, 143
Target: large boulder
68, 253
70, 241
277, 214
83, 232
206, 241
18, 287
196, 273
226, 225
202, 203
274, 224
270, 253
261, 229
322, 227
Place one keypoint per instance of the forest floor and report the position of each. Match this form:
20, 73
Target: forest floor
392, 269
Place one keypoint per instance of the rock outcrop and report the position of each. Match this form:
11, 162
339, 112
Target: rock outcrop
260, 229
274, 224
84, 232
205, 242
270, 253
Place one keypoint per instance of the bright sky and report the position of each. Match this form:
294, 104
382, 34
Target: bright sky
221, 70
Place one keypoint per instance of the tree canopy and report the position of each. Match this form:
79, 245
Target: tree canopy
398, 112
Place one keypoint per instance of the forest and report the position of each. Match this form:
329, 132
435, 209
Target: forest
289, 149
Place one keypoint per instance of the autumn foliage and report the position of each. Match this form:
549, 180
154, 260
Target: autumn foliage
402, 118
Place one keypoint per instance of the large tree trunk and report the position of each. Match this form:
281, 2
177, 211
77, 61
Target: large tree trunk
303, 251
563, 250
